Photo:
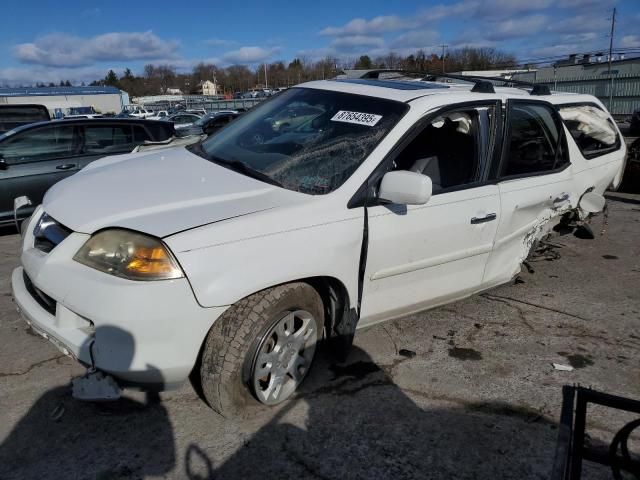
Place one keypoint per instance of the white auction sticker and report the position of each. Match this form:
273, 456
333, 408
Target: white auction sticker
368, 119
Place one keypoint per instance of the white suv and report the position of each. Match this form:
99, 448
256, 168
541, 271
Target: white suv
231, 258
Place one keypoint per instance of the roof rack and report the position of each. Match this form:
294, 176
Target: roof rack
536, 88
481, 84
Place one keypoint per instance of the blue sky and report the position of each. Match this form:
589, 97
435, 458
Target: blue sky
81, 40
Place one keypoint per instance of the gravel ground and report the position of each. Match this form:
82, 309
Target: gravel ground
465, 391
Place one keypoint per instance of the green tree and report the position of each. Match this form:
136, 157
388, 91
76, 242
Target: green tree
364, 62
111, 78
127, 75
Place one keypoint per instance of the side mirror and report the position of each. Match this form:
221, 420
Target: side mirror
405, 188
3, 163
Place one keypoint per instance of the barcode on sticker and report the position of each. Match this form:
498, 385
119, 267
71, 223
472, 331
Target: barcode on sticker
368, 119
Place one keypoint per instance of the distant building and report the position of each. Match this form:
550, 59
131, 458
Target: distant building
590, 74
173, 91
102, 99
207, 87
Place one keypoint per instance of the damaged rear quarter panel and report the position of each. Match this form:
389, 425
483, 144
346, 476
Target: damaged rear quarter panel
530, 208
529, 212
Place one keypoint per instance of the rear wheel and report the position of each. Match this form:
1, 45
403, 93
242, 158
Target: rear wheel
261, 349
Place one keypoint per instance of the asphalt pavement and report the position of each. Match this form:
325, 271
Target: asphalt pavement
465, 391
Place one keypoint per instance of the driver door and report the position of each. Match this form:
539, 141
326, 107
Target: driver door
420, 256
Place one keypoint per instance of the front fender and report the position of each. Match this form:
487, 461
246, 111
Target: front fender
224, 273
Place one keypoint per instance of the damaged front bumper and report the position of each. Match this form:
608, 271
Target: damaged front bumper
144, 334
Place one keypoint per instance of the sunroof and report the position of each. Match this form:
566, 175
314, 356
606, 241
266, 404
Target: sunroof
396, 84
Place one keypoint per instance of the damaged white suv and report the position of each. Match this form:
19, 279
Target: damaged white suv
230, 259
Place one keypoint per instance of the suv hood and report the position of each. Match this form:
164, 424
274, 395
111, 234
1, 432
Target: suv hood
159, 193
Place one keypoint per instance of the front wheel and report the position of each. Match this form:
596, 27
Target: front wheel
261, 349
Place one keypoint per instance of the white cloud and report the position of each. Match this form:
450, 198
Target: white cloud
415, 39
250, 55
357, 42
42, 74
556, 50
517, 27
63, 50
360, 26
630, 41
582, 23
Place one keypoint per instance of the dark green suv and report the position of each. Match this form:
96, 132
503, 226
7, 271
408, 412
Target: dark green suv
35, 156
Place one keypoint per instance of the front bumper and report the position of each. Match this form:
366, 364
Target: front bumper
146, 334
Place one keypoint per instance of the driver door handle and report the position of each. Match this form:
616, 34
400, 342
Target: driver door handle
66, 166
488, 218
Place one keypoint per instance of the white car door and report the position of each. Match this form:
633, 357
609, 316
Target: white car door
420, 256
536, 184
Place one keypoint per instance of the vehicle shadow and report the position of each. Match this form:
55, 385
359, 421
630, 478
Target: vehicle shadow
618, 198
61, 437
8, 230
353, 422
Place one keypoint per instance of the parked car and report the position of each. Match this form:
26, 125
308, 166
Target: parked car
159, 115
82, 112
12, 116
231, 260
196, 111
141, 112
34, 157
634, 126
182, 119
292, 117
209, 123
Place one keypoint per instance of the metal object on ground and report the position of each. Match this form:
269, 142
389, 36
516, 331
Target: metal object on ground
571, 449
95, 386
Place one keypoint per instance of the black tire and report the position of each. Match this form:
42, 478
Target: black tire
231, 345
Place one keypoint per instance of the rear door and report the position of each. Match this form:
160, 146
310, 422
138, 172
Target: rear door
536, 184
12, 116
35, 159
102, 139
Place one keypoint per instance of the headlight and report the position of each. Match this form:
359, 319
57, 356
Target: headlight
129, 255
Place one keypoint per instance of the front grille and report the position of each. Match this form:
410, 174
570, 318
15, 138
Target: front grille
49, 233
44, 300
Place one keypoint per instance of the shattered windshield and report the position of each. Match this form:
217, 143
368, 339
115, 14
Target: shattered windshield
306, 140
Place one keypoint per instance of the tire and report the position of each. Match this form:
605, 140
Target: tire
230, 369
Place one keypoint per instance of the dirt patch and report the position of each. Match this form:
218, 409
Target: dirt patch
576, 360
465, 353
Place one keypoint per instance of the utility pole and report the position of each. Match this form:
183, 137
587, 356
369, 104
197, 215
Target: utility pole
266, 84
443, 47
613, 24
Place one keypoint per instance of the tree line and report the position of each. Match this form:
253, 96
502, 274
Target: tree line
158, 79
